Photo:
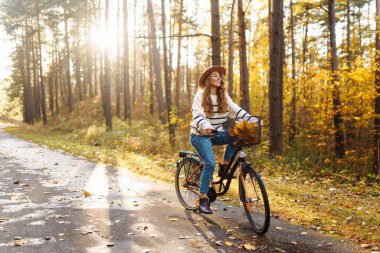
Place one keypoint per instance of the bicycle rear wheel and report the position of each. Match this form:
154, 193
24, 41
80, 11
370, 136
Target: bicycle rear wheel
255, 199
187, 180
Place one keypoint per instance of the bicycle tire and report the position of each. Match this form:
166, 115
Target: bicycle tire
257, 207
188, 194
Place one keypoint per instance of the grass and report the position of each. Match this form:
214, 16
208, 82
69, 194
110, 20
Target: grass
334, 205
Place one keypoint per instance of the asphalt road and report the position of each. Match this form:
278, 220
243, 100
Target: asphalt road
43, 209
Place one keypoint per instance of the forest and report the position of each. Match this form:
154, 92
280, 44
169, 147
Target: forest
308, 67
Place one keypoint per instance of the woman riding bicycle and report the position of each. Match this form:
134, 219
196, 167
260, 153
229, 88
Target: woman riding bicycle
212, 107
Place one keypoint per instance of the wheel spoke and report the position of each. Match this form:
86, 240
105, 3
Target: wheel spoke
187, 183
255, 200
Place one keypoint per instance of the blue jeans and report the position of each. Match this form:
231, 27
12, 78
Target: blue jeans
203, 145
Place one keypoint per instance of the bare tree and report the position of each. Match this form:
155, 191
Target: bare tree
276, 78
118, 65
127, 96
292, 127
231, 51
178, 74
244, 75
338, 122
215, 33
42, 84
167, 77
107, 79
156, 64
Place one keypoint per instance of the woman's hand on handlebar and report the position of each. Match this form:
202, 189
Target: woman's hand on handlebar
208, 131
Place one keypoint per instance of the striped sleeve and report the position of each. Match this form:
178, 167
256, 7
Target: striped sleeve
238, 113
199, 117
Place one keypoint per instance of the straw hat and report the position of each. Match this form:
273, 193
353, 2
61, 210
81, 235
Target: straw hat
207, 72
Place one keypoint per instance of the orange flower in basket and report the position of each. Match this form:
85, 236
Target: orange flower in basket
246, 131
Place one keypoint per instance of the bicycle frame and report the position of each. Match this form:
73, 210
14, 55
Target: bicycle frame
228, 173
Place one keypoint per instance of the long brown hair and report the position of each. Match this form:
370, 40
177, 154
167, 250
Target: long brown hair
221, 98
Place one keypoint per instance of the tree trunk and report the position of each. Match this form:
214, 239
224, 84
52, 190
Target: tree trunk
348, 30
30, 113
339, 138
127, 96
89, 56
244, 75
304, 42
68, 74
151, 102
107, 79
78, 80
215, 33
167, 79
178, 74
231, 51
118, 70
157, 66
36, 89
292, 128
376, 142
42, 85
276, 78
26, 90
134, 90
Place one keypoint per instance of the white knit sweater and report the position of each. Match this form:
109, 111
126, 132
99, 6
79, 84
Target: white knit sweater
201, 122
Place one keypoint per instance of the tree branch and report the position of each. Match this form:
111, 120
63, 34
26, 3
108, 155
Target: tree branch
323, 8
172, 36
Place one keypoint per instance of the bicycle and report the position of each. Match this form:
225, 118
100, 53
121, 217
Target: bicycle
252, 191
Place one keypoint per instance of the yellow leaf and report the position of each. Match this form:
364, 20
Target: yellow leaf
228, 243
246, 131
173, 219
86, 193
249, 247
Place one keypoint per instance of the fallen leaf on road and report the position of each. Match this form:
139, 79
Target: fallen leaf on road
86, 193
364, 245
173, 219
186, 237
249, 247
229, 244
17, 243
86, 232
219, 243
16, 182
304, 233
4, 219
110, 244
295, 243
279, 228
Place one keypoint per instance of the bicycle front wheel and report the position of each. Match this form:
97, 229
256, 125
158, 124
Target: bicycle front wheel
187, 179
255, 199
